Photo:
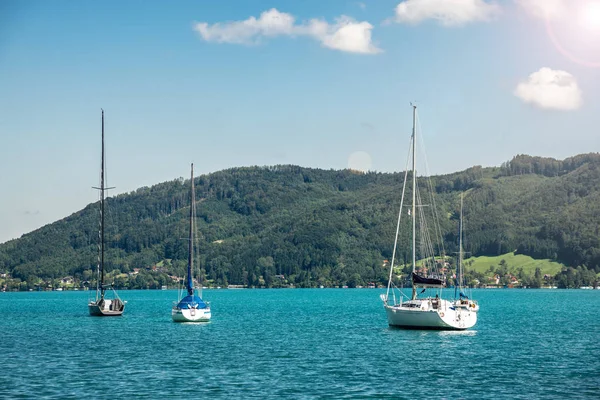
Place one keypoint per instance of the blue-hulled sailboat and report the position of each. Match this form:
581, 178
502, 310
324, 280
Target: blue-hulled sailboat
191, 308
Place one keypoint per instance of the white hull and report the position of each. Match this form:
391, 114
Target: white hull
431, 314
191, 314
426, 313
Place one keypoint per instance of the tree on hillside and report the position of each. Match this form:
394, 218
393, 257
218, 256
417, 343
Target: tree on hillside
331, 225
537, 278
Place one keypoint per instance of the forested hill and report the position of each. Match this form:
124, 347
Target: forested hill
320, 226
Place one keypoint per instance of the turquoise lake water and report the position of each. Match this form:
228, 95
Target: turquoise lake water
298, 343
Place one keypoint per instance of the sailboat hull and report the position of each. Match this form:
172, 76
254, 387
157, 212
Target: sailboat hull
420, 314
107, 308
190, 314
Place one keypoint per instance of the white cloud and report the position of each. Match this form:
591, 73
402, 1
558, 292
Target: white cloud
447, 12
348, 35
270, 23
345, 34
544, 8
550, 89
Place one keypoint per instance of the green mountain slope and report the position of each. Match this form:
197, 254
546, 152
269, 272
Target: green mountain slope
318, 227
483, 264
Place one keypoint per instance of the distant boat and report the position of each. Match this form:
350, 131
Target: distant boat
462, 301
426, 312
106, 304
191, 308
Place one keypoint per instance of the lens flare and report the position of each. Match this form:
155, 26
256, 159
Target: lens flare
576, 32
590, 15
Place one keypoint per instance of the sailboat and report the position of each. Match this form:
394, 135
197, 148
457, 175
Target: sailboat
191, 308
106, 304
462, 300
423, 311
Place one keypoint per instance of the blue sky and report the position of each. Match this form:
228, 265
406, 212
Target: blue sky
322, 84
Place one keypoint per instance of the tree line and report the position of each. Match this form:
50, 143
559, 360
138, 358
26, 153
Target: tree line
284, 224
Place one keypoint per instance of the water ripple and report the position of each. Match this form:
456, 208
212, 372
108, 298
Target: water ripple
301, 344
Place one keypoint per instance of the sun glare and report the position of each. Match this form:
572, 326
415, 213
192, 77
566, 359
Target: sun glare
591, 15
360, 161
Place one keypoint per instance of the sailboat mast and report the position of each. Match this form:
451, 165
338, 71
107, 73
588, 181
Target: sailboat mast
414, 197
460, 249
190, 286
102, 212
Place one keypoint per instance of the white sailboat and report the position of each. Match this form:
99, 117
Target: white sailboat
462, 300
425, 312
104, 305
191, 307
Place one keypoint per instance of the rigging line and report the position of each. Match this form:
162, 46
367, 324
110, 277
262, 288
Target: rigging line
437, 227
99, 243
196, 239
436, 219
422, 229
113, 231
467, 290
399, 218
426, 245
425, 239
402, 294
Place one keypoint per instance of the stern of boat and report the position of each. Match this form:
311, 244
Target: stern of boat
190, 314
106, 307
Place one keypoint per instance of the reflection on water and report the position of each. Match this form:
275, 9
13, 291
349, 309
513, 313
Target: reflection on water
457, 333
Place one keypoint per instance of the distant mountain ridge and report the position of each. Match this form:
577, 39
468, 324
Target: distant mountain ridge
259, 225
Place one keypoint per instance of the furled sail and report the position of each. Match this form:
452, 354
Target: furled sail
419, 280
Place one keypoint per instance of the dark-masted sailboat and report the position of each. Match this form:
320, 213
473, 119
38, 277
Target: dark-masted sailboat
106, 304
